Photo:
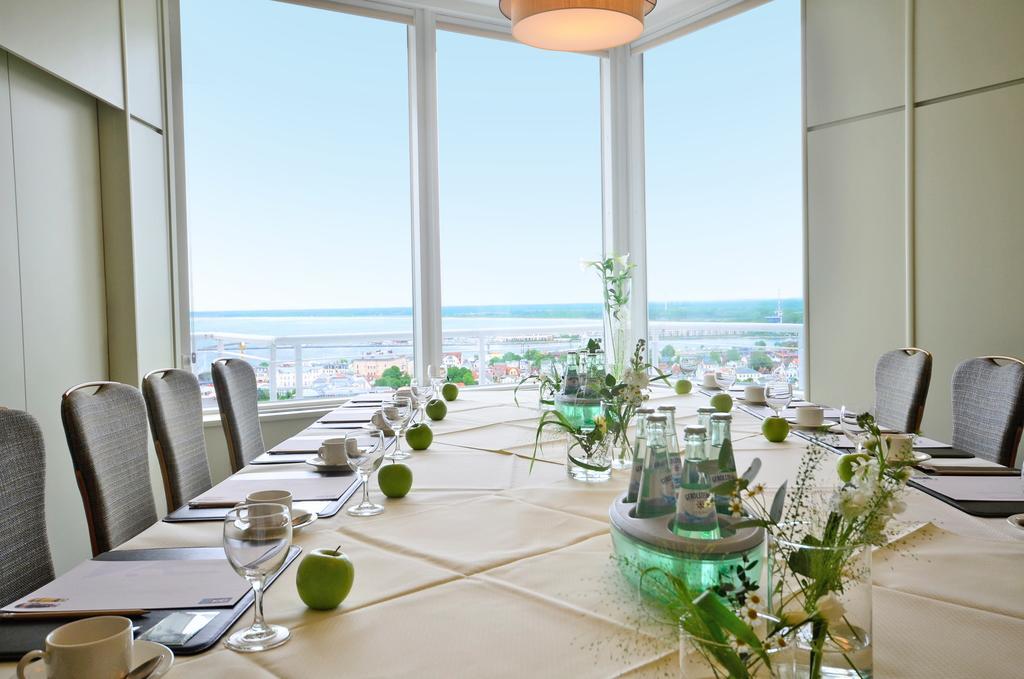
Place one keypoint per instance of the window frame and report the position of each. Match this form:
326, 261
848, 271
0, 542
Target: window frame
623, 194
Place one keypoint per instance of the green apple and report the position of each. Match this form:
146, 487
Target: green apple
844, 467
683, 387
395, 480
721, 402
450, 391
436, 409
419, 436
775, 429
324, 578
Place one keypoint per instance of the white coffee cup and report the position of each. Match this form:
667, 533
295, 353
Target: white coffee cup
708, 381
334, 451
899, 446
753, 393
276, 497
810, 416
93, 648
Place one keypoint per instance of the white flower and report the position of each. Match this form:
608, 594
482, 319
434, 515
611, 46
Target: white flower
830, 609
636, 379
851, 502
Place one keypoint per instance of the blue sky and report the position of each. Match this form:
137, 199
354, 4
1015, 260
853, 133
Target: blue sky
296, 137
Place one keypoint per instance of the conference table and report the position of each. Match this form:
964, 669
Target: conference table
493, 566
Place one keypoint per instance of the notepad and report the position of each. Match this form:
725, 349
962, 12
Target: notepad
302, 485
348, 415
149, 584
975, 488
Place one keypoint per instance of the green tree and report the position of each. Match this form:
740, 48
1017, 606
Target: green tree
760, 343
463, 375
509, 357
668, 351
760, 361
715, 357
732, 355
535, 356
393, 377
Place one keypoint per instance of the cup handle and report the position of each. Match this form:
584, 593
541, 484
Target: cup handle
27, 660
320, 452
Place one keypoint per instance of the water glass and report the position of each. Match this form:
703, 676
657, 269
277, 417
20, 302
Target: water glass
854, 431
397, 413
437, 377
365, 462
422, 392
725, 377
778, 395
256, 541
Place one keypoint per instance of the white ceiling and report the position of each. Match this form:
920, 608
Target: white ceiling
667, 12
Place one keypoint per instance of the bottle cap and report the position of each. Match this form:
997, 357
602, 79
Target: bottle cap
644, 411
656, 419
693, 429
706, 410
667, 408
722, 416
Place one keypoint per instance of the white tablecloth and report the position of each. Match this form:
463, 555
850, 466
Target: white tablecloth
489, 568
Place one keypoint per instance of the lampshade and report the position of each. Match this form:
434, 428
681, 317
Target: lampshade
576, 25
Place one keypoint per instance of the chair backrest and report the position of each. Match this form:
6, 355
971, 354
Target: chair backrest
235, 383
902, 378
175, 407
25, 561
107, 433
988, 407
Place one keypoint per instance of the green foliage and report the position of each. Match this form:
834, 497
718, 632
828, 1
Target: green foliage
393, 377
263, 394
732, 355
760, 343
668, 351
760, 361
461, 376
715, 357
509, 357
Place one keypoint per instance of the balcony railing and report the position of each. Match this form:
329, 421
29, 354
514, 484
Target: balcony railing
303, 366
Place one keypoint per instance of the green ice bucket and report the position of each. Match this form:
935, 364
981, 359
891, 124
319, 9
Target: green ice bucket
641, 544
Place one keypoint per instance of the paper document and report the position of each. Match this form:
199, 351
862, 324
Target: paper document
302, 485
123, 585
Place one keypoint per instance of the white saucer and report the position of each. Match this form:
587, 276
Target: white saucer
321, 464
1017, 521
302, 518
824, 426
141, 652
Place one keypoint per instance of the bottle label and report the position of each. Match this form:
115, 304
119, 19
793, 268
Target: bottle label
722, 477
635, 473
696, 510
676, 465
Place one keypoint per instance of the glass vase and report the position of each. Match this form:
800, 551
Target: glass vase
618, 330
825, 595
700, 658
593, 466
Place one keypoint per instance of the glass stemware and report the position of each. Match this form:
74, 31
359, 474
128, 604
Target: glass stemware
437, 377
725, 377
422, 392
778, 395
397, 413
256, 541
365, 462
854, 431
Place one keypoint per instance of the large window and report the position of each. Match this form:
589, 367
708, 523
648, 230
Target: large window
724, 194
297, 153
520, 196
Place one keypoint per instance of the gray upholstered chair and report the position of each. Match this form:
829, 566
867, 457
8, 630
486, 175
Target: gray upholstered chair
175, 407
988, 407
107, 436
25, 562
235, 383
902, 378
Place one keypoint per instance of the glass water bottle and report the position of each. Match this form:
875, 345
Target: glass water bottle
695, 510
672, 443
657, 495
639, 453
722, 463
571, 379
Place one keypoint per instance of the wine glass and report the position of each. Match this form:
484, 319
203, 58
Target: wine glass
437, 377
422, 392
365, 462
396, 413
854, 431
256, 541
725, 377
778, 395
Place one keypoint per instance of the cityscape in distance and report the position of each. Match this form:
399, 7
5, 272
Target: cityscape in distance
325, 353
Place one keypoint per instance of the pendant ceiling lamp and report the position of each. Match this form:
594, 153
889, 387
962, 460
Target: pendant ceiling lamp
576, 25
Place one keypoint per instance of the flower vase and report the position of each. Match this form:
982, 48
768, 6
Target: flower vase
618, 330
593, 466
622, 451
825, 595
703, 658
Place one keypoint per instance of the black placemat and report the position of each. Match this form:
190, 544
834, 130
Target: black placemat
330, 508
18, 637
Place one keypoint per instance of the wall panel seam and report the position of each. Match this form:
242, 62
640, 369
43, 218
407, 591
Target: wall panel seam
856, 118
967, 93
17, 231
909, 186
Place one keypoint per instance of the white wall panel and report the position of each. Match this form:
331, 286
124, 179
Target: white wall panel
854, 58
76, 40
856, 254
58, 191
12, 366
970, 224
142, 26
961, 45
